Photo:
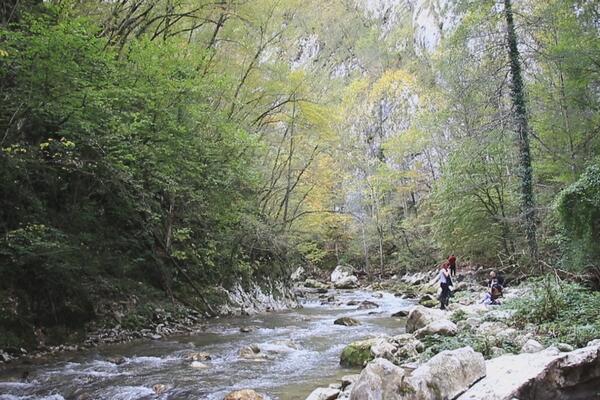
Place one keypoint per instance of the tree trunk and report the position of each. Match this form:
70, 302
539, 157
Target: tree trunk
520, 110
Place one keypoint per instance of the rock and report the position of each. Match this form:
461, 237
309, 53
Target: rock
441, 327
341, 272
315, 284
367, 305
426, 297
416, 278
430, 303
155, 337
564, 347
198, 356
245, 394
542, 375
323, 394
382, 348
379, 380
400, 314
378, 295
348, 380
460, 286
357, 354
346, 321
350, 282
497, 352
118, 360
408, 347
491, 328
595, 342
252, 352
246, 329
447, 374
420, 316
532, 346
353, 303
159, 388
298, 274
198, 365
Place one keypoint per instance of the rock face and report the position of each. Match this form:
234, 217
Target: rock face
445, 376
240, 300
323, 394
543, 375
448, 374
346, 321
245, 394
380, 380
420, 316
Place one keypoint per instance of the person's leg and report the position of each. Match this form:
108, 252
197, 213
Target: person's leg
442, 300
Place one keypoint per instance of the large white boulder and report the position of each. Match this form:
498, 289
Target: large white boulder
420, 316
447, 374
379, 380
340, 272
532, 346
442, 327
349, 282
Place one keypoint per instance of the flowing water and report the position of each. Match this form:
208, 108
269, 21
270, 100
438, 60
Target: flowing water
303, 346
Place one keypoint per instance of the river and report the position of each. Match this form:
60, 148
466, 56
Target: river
303, 347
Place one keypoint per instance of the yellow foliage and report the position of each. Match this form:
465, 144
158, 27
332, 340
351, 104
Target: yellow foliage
392, 82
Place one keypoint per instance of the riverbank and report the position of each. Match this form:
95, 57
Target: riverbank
471, 337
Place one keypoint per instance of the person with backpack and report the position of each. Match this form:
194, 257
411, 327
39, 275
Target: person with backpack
452, 263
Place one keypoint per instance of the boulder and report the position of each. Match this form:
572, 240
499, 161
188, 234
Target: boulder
353, 303
159, 388
324, 394
246, 394
379, 380
447, 374
532, 346
442, 327
118, 360
421, 316
400, 314
346, 321
408, 347
367, 305
314, 284
357, 354
349, 282
252, 352
341, 272
564, 347
348, 380
460, 286
573, 375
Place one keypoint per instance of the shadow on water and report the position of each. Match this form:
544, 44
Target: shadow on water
303, 348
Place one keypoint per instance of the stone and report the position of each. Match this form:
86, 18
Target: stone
378, 295
198, 356
246, 394
349, 282
564, 347
400, 314
298, 274
379, 380
246, 329
315, 284
447, 374
442, 327
512, 376
491, 328
348, 380
460, 286
429, 303
595, 342
341, 272
118, 360
357, 354
532, 346
198, 365
155, 337
159, 388
346, 321
382, 348
353, 303
251, 352
367, 305
416, 278
324, 394
420, 316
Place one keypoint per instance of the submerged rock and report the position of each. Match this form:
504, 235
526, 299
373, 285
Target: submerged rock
400, 314
367, 305
357, 354
198, 356
198, 365
346, 321
159, 388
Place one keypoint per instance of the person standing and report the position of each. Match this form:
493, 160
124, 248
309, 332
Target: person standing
452, 263
445, 282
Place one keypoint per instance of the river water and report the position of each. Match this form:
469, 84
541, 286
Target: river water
303, 346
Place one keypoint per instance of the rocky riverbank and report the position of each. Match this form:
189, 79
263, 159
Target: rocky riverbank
128, 322
470, 351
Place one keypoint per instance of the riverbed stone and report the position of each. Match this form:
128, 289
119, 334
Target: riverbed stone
198, 365
349, 282
357, 354
346, 321
348, 380
314, 284
368, 305
400, 314
198, 356
324, 394
442, 327
341, 272
532, 346
245, 394
159, 388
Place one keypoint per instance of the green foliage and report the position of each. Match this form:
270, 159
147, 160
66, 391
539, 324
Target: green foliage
564, 312
578, 207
